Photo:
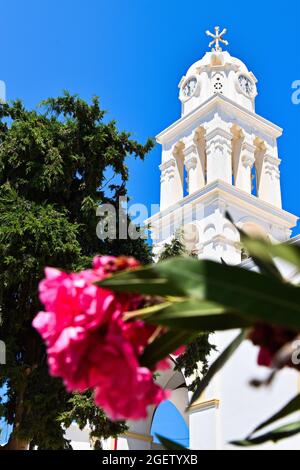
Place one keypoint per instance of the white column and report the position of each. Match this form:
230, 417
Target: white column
269, 186
172, 176
219, 152
166, 182
245, 164
193, 167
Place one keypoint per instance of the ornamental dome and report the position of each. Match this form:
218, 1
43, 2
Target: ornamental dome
217, 73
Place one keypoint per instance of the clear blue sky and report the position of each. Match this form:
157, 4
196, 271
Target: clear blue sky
132, 53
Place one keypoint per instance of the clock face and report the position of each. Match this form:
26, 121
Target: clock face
246, 85
189, 87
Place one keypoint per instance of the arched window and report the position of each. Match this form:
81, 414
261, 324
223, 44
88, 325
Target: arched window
169, 423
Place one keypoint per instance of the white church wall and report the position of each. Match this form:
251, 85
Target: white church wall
243, 407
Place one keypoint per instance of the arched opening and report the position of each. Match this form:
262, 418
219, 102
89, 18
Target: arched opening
254, 181
168, 422
257, 167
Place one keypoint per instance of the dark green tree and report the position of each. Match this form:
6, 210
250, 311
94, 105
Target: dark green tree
194, 360
57, 165
174, 248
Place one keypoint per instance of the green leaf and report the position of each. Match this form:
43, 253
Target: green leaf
165, 345
291, 407
169, 445
265, 264
278, 434
198, 316
146, 311
149, 280
263, 250
217, 365
247, 292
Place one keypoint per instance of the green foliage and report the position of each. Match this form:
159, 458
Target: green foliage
283, 432
83, 411
214, 289
57, 165
194, 361
163, 345
174, 248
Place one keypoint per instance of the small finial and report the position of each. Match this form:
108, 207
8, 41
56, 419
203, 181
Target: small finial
217, 38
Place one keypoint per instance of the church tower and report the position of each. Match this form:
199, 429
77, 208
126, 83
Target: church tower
219, 156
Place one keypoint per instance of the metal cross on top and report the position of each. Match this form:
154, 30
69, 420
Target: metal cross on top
218, 37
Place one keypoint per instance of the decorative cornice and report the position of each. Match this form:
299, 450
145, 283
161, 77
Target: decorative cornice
221, 240
248, 147
138, 436
218, 132
273, 160
205, 405
190, 149
231, 107
218, 189
167, 165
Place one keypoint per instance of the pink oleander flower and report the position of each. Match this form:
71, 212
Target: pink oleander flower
105, 265
89, 343
165, 364
73, 300
138, 334
131, 402
123, 378
270, 340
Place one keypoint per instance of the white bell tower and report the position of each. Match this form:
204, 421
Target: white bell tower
220, 155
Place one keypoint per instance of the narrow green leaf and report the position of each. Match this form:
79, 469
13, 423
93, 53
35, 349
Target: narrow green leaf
276, 435
141, 313
169, 445
148, 280
291, 407
247, 292
265, 264
217, 365
252, 294
164, 345
198, 316
263, 250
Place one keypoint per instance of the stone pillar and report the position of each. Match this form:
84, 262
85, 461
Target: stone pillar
194, 168
219, 152
269, 186
167, 169
244, 170
172, 176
